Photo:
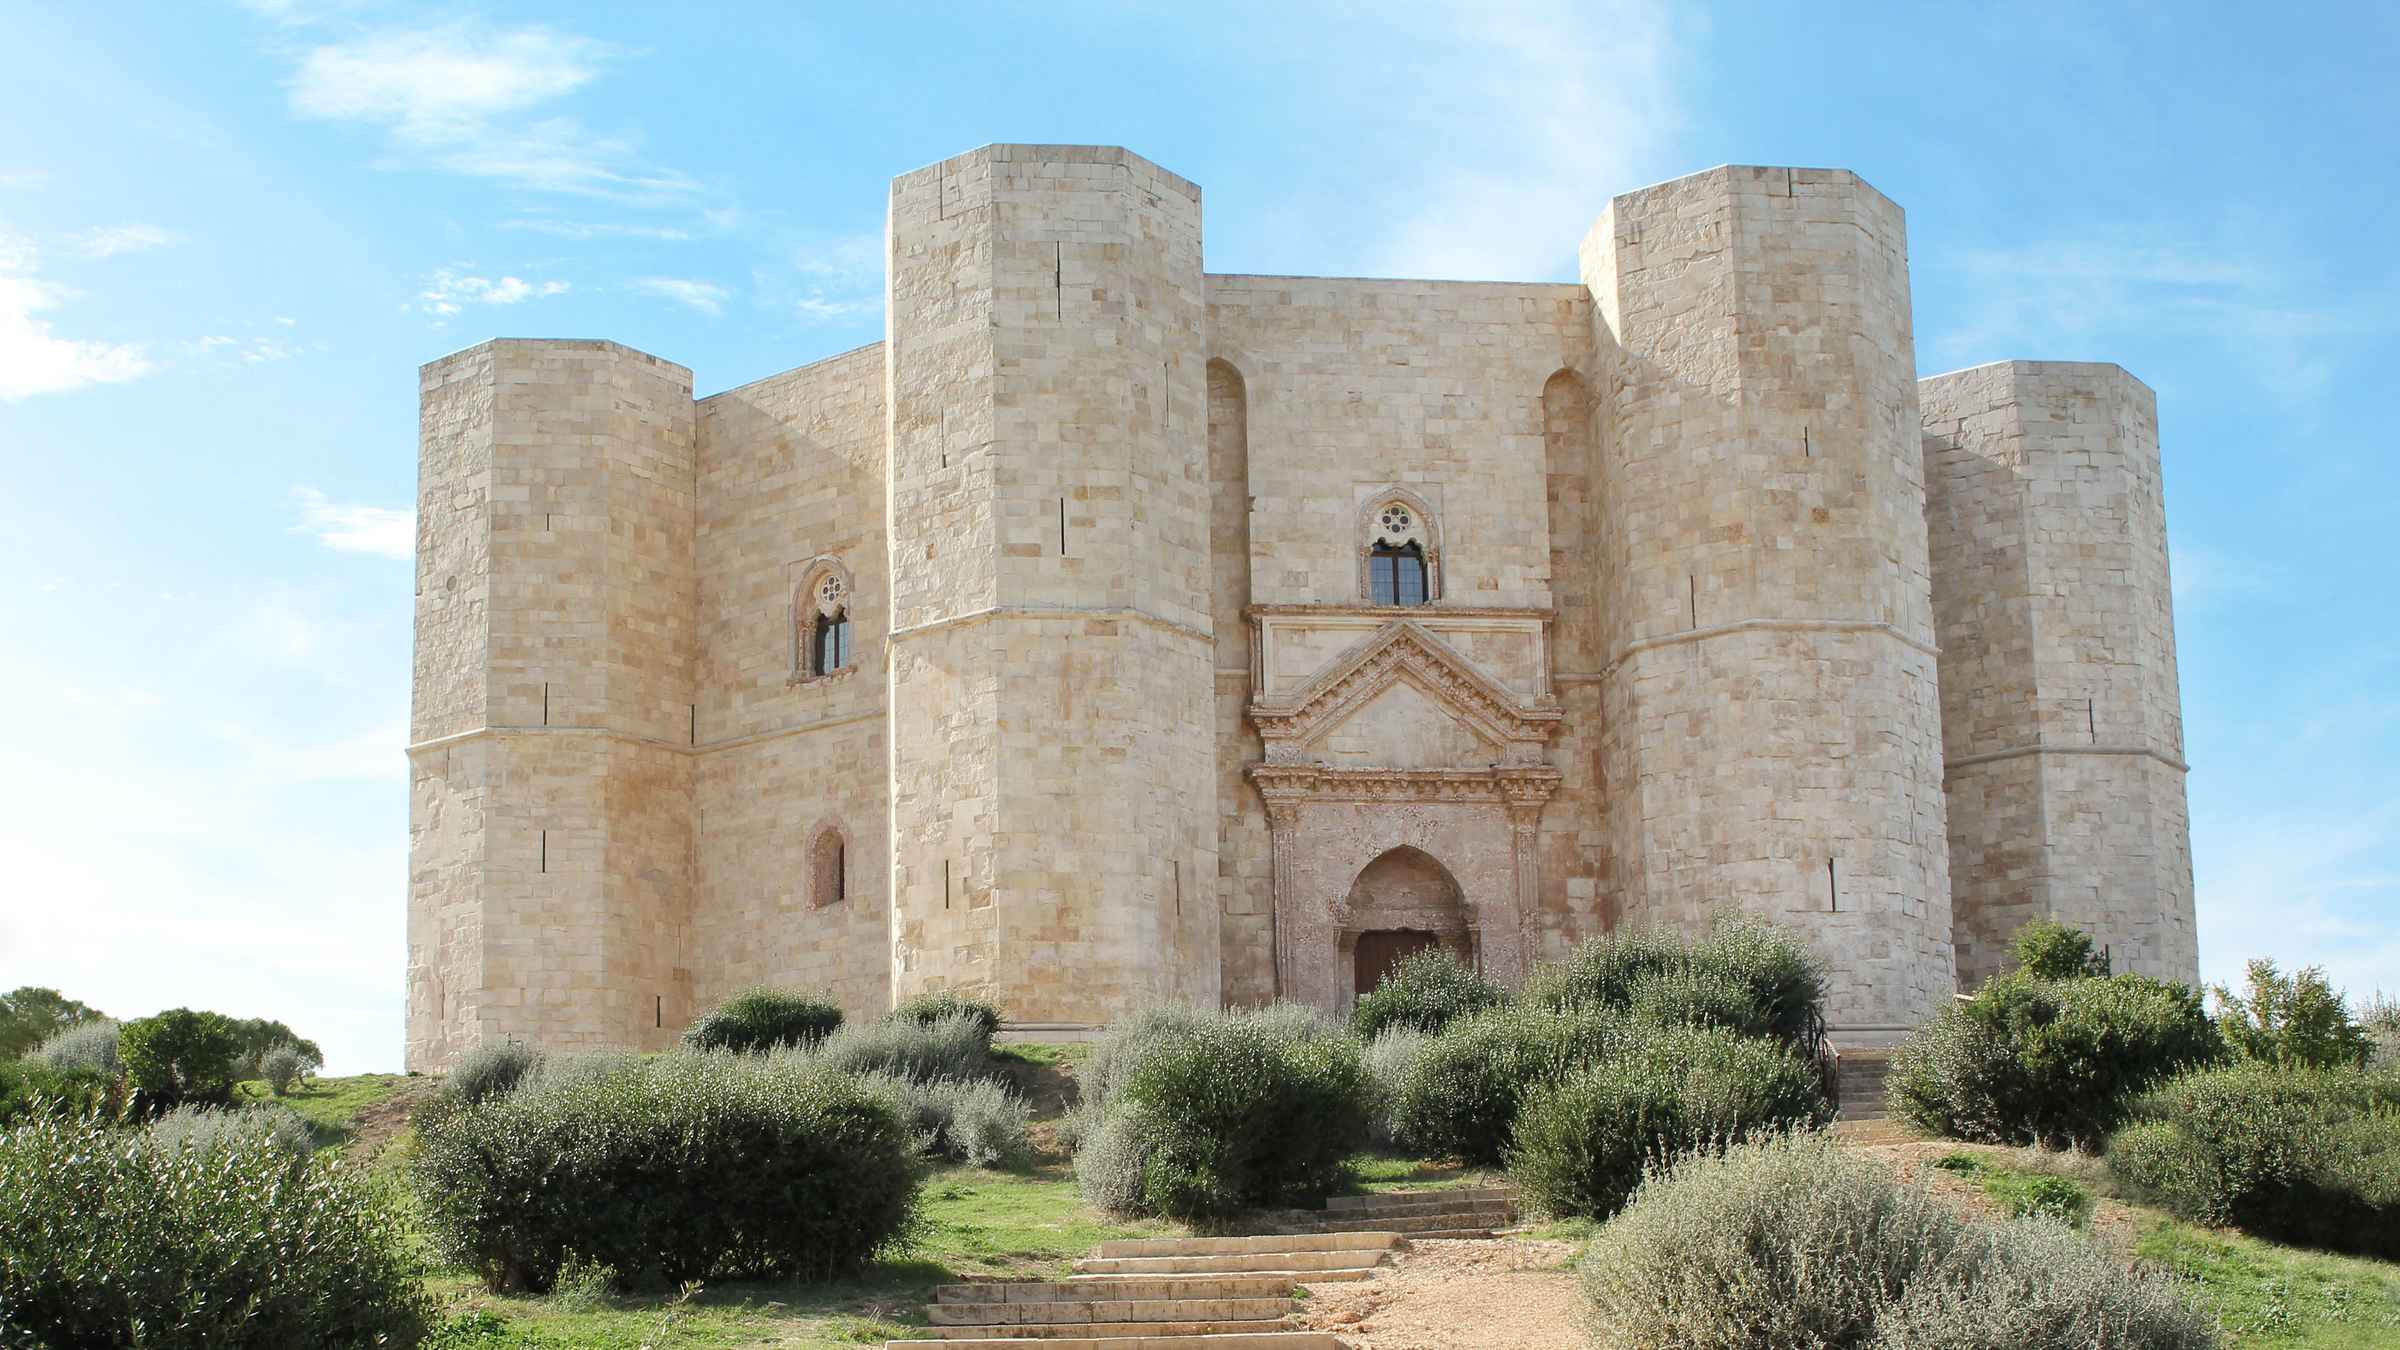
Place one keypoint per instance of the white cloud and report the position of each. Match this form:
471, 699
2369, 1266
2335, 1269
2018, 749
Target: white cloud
441, 85
33, 358
2239, 284
110, 240
254, 351
699, 295
1569, 103
826, 280
23, 180
448, 292
463, 97
348, 527
2202, 575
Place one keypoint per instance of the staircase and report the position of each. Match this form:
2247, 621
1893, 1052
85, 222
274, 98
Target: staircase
1859, 1084
1208, 1293
1459, 1212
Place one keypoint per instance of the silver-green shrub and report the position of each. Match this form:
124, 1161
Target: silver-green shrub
87, 1046
215, 1128
2037, 1284
1581, 1142
1109, 1164
550, 1071
110, 1238
1389, 1057
686, 1166
490, 1071
975, 1121
2381, 1017
951, 1045
281, 1067
1793, 1241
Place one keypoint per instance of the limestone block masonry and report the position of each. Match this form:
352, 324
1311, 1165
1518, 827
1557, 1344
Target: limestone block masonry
1116, 632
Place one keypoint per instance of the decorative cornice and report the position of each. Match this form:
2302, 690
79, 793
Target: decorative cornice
1286, 785
1637, 647
2019, 751
1404, 650
651, 742
1437, 610
1141, 616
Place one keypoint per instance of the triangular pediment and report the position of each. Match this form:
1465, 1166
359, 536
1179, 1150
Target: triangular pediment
1437, 681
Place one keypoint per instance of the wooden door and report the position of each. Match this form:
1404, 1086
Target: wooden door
1379, 951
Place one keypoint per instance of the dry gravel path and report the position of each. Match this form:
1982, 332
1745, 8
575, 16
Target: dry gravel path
1487, 1294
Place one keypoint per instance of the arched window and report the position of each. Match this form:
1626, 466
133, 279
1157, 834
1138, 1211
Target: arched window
830, 651
828, 868
821, 640
1396, 574
1399, 554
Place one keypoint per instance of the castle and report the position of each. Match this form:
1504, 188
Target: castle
1115, 631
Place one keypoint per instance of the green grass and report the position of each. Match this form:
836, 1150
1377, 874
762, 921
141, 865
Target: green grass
2020, 1192
2270, 1295
1391, 1171
978, 1224
331, 1106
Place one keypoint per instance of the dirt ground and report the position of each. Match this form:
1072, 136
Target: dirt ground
1500, 1294
1514, 1294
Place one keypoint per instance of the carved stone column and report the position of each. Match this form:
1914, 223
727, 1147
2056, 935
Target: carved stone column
1507, 934
1281, 811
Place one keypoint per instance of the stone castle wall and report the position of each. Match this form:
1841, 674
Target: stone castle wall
1771, 718
2062, 724
791, 476
550, 804
1049, 528
1120, 723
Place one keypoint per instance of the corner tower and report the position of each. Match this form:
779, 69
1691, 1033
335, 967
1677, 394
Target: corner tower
1771, 722
2060, 704
1053, 755
550, 784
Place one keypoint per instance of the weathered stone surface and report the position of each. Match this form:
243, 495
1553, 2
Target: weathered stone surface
1121, 720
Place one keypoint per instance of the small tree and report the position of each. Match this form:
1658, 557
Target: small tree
180, 1056
30, 1016
2048, 950
2295, 1021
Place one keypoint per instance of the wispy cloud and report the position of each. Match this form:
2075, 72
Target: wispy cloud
110, 240
2202, 575
23, 180
1587, 99
449, 292
582, 231
2304, 888
700, 295
349, 527
2238, 284
825, 279
438, 86
464, 97
252, 351
33, 358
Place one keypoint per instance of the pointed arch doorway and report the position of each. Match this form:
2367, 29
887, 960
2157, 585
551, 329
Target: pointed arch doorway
1402, 902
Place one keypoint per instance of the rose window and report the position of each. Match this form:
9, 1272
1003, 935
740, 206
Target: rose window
1397, 522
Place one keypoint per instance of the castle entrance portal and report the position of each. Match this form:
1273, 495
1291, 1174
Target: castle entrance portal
1403, 902
1379, 951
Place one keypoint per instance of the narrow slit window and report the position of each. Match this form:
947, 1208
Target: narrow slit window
1396, 574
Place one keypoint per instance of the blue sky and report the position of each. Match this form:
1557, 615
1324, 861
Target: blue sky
229, 234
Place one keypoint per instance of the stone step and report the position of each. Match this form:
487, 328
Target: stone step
1091, 1310
1410, 1210
1119, 1287
1335, 1276
1410, 1226
1458, 1194
1379, 1240
1175, 1333
1300, 1265
1220, 1341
